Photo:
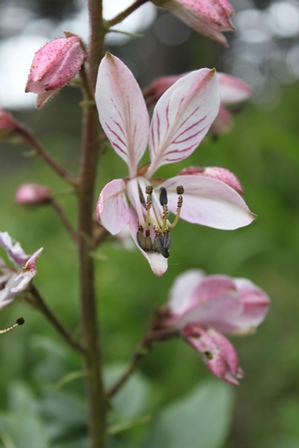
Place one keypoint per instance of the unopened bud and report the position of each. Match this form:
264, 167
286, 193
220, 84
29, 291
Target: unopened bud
54, 66
7, 124
32, 194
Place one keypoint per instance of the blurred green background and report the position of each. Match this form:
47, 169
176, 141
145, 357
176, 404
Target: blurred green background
262, 150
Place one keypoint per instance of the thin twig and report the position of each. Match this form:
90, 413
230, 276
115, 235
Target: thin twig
29, 138
121, 16
64, 219
43, 307
141, 351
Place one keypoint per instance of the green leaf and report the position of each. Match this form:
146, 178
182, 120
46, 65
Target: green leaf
201, 419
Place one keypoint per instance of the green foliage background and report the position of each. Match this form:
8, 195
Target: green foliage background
263, 152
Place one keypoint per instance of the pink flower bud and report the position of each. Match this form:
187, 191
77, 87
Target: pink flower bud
216, 172
54, 66
208, 17
31, 194
7, 124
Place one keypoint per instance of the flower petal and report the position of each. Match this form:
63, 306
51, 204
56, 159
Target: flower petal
157, 262
233, 90
181, 294
122, 111
28, 272
112, 208
14, 251
209, 202
255, 306
182, 117
217, 352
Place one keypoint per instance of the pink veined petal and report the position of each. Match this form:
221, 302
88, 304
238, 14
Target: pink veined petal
216, 172
255, 306
181, 294
122, 111
157, 262
233, 90
112, 208
209, 202
216, 351
182, 117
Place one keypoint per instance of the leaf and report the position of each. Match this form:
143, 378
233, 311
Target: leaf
201, 419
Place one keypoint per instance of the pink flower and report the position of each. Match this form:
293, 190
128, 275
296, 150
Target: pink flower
232, 90
54, 66
181, 119
14, 280
202, 307
32, 194
208, 17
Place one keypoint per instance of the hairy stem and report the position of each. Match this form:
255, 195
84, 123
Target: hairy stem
43, 307
88, 167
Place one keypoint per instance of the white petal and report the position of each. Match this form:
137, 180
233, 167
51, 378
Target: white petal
122, 111
209, 202
182, 117
112, 207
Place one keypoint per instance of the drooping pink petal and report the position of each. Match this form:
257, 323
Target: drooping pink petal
208, 17
157, 262
14, 250
122, 111
216, 351
209, 202
112, 208
182, 117
233, 90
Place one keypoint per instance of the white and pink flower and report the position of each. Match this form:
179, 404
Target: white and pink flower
14, 280
202, 307
181, 119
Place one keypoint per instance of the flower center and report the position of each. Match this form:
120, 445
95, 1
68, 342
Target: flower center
161, 241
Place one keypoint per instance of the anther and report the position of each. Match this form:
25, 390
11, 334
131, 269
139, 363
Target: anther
180, 189
163, 196
19, 321
162, 243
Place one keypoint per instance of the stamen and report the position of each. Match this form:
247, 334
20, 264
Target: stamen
148, 191
163, 201
180, 191
19, 321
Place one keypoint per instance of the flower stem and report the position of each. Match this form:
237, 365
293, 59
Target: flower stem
141, 351
43, 307
121, 16
88, 167
64, 219
29, 138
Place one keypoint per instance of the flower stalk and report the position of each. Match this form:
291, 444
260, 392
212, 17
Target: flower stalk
89, 313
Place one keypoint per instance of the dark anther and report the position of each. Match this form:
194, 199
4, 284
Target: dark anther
163, 196
180, 189
144, 241
20, 321
149, 189
162, 244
